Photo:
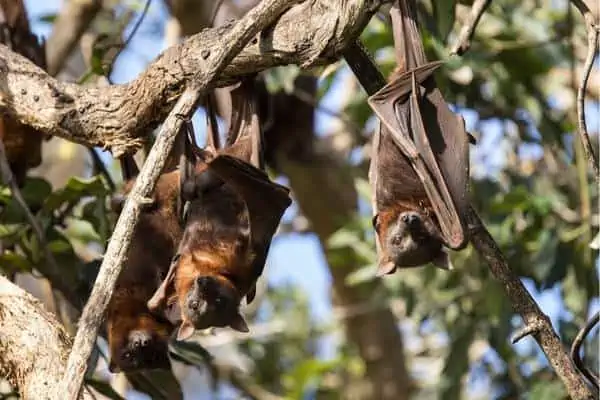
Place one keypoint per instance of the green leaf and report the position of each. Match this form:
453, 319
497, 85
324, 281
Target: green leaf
444, 11
544, 390
75, 190
13, 262
363, 274
49, 18
104, 389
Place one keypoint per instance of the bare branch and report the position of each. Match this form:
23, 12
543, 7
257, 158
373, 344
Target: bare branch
33, 344
576, 347
536, 322
593, 29
116, 117
463, 43
72, 21
236, 38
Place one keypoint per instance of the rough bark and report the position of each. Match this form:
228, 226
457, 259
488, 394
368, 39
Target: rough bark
115, 117
33, 344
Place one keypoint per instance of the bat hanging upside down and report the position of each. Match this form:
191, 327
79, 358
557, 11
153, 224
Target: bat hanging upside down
420, 164
138, 338
232, 212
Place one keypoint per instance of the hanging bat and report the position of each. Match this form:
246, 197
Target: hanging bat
138, 338
233, 211
420, 164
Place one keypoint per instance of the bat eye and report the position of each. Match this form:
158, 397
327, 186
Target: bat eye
128, 355
194, 304
375, 222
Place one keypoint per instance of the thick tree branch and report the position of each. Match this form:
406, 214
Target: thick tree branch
116, 117
74, 18
593, 29
463, 42
236, 38
33, 344
537, 323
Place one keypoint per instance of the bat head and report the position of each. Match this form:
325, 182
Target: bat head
207, 300
140, 343
410, 239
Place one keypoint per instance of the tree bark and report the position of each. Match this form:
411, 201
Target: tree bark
33, 345
116, 117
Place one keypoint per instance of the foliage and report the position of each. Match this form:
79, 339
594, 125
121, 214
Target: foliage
529, 184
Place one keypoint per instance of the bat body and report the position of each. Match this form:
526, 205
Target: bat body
137, 337
420, 164
232, 213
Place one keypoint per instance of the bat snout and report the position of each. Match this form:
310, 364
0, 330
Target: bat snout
143, 351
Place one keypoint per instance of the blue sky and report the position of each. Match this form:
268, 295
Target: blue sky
298, 258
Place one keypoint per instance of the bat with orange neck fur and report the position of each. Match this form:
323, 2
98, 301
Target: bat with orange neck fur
232, 212
138, 338
420, 164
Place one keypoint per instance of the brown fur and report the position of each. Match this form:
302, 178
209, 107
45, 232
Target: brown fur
154, 243
214, 246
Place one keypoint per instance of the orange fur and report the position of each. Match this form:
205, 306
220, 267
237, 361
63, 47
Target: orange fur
154, 243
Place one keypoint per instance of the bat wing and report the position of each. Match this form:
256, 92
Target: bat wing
265, 200
399, 107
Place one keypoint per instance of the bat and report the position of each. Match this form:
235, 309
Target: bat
420, 165
138, 338
232, 214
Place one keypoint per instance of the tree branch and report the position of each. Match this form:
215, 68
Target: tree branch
116, 117
576, 347
463, 43
33, 344
592, 28
537, 323
236, 38
73, 19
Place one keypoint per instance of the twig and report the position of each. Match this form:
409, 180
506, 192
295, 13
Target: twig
237, 37
463, 43
576, 347
9, 180
592, 38
101, 169
536, 322
134, 30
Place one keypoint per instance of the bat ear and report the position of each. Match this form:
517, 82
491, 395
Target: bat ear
185, 331
251, 294
442, 260
239, 324
113, 367
385, 268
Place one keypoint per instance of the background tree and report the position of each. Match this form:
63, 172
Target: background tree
417, 334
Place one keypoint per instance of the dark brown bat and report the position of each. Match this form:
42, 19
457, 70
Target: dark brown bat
138, 338
233, 212
420, 164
